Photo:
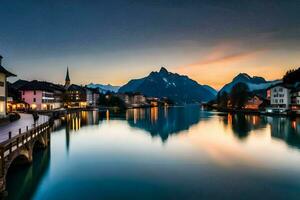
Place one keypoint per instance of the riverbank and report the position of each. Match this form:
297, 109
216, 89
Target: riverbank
252, 112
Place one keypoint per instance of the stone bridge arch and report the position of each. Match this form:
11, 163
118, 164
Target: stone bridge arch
19, 150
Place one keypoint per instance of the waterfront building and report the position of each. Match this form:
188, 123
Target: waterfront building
280, 97
75, 97
134, 99
253, 103
295, 99
3, 89
92, 97
14, 99
41, 95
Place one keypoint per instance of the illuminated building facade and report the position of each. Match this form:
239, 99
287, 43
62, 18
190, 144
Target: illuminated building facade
40, 95
3, 89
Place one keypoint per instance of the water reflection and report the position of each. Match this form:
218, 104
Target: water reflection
115, 155
242, 125
22, 181
77, 120
286, 129
280, 127
163, 122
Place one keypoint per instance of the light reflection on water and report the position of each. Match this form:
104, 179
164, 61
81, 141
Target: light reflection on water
167, 153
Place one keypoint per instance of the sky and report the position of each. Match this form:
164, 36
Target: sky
114, 41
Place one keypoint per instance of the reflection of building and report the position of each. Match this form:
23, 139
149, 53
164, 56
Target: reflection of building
77, 120
242, 125
41, 95
3, 89
286, 129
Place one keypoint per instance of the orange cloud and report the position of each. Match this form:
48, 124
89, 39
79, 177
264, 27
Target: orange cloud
227, 58
225, 53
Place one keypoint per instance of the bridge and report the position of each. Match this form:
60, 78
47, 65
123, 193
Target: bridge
18, 149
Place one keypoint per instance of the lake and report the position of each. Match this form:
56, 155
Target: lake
164, 153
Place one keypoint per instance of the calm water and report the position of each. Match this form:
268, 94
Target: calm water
174, 153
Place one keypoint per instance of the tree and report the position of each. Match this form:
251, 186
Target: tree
239, 95
292, 76
222, 99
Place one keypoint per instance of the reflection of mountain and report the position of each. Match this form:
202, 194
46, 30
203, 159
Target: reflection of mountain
286, 129
25, 180
242, 124
163, 122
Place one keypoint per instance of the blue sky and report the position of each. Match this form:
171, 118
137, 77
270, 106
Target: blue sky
114, 41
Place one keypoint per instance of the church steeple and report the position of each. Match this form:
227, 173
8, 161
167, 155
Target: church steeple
67, 80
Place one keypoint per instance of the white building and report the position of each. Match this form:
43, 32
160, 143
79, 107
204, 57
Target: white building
3, 89
92, 97
280, 96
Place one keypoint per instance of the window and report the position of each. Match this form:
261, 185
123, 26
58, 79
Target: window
280, 89
34, 99
1, 84
23, 99
23, 92
34, 92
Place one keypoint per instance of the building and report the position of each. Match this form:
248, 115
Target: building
253, 103
92, 97
280, 97
132, 100
14, 99
67, 79
284, 97
295, 99
41, 95
75, 97
3, 89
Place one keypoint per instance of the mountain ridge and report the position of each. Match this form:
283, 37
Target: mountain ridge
104, 88
254, 83
162, 83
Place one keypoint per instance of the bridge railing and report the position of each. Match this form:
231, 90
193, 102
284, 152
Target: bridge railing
14, 142
17, 130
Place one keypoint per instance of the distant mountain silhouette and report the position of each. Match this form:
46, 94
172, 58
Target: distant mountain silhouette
104, 88
180, 89
254, 83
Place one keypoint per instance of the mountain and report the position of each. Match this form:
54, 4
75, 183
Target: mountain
254, 83
104, 88
180, 89
212, 90
19, 83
